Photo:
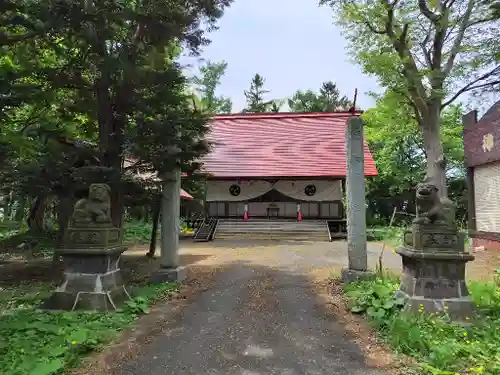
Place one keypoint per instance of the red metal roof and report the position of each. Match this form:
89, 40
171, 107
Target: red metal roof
280, 145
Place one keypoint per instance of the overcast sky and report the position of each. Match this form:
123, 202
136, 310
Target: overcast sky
292, 43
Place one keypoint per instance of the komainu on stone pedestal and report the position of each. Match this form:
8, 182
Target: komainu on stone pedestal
434, 259
91, 256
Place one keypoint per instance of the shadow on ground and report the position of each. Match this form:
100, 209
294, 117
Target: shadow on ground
136, 268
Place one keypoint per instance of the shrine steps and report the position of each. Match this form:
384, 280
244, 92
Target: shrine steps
275, 229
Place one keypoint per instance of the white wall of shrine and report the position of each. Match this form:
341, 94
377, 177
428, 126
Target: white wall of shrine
319, 198
305, 190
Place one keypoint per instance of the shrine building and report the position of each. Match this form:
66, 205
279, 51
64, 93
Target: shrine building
277, 173
482, 159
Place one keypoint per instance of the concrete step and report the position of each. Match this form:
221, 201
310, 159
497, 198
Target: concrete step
307, 230
288, 232
264, 230
303, 236
289, 226
302, 222
297, 225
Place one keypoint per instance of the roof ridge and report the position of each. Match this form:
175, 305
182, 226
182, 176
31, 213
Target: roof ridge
286, 115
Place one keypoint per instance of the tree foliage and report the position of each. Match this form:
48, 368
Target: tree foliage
206, 84
255, 96
428, 52
327, 100
495, 9
399, 153
105, 72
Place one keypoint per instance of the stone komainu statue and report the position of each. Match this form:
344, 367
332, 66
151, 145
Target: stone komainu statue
94, 209
431, 209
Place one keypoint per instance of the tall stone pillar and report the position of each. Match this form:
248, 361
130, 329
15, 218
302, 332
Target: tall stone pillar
170, 229
356, 210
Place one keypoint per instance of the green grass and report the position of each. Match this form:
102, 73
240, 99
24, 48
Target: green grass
393, 236
440, 347
34, 342
140, 233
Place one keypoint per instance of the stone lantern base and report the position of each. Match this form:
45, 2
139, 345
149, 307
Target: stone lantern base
92, 276
433, 278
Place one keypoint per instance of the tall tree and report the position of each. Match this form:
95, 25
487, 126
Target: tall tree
109, 56
206, 84
399, 152
327, 100
331, 98
255, 95
306, 101
429, 52
275, 105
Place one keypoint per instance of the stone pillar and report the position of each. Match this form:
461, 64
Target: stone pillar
170, 229
356, 209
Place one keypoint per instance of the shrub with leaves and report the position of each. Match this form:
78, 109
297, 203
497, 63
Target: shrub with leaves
375, 298
440, 347
136, 231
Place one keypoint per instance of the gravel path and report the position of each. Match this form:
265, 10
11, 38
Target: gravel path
262, 316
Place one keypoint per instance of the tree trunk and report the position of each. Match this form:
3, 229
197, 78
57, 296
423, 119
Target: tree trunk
113, 158
21, 208
436, 163
6, 205
117, 207
36, 216
156, 217
110, 133
64, 209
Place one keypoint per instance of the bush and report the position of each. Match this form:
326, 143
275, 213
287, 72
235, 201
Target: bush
393, 236
136, 231
139, 232
441, 347
375, 298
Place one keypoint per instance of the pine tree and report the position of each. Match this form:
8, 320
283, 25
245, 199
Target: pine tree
113, 62
255, 96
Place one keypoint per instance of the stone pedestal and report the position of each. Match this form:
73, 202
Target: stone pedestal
349, 275
169, 274
92, 276
356, 210
433, 277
